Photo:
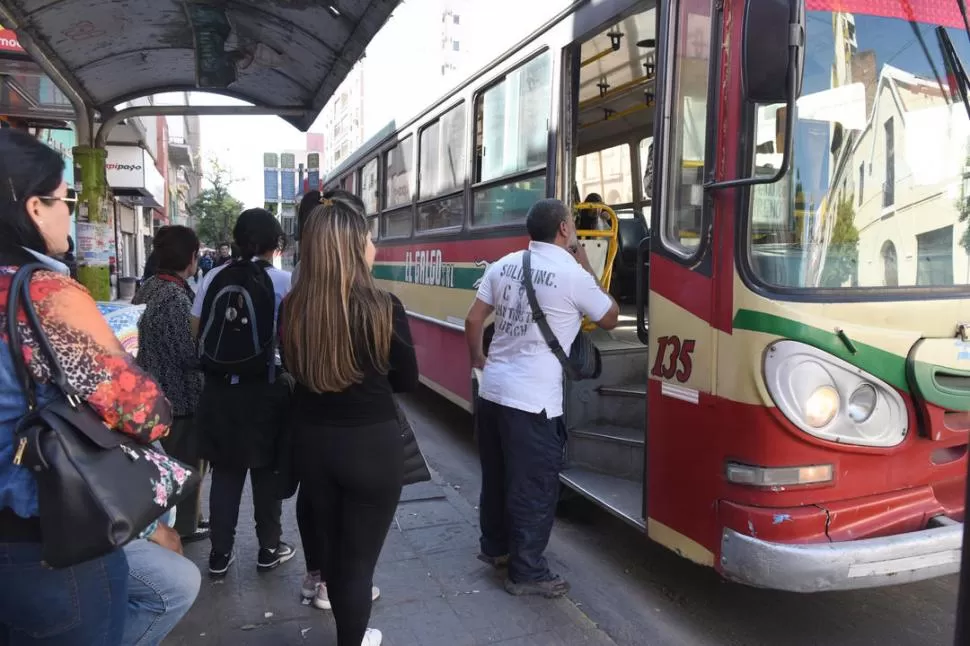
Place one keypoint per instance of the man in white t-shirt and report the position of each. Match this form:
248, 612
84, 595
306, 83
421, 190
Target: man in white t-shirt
521, 432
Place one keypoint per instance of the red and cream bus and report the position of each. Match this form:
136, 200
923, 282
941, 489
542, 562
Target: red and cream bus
788, 399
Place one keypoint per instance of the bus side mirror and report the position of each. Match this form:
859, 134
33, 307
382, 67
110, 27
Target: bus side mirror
772, 66
773, 49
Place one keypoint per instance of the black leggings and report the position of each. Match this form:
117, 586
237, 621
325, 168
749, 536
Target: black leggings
351, 477
311, 538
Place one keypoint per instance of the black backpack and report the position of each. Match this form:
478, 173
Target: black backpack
237, 332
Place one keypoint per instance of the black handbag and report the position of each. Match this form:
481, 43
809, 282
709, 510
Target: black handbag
97, 488
584, 360
415, 468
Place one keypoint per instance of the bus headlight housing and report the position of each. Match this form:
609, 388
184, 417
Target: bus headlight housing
831, 399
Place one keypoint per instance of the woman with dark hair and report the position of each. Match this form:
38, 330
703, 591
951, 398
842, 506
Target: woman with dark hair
167, 351
348, 345
240, 417
86, 603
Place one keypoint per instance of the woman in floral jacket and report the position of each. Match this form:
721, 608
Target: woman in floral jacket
86, 603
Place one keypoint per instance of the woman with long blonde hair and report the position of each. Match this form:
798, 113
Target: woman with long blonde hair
348, 346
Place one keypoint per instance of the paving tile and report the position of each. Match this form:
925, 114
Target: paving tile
427, 513
443, 538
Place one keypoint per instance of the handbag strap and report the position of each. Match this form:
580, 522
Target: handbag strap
539, 316
19, 298
14, 340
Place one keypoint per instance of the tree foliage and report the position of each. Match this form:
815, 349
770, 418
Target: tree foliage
842, 257
216, 210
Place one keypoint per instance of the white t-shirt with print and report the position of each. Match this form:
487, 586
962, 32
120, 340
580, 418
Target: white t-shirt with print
521, 371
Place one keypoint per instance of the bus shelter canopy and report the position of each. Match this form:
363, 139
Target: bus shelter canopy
271, 53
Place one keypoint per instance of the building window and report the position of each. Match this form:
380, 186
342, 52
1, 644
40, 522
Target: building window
934, 257
889, 191
454, 45
890, 265
862, 180
455, 19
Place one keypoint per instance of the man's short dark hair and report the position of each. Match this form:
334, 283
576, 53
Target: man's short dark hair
544, 219
174, 248
258, 232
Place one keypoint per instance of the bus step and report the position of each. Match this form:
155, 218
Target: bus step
637, 389
617, 450
621, 497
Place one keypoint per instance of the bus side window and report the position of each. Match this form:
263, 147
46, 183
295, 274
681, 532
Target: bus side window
369, 189
442, 172
687, 138
511, 143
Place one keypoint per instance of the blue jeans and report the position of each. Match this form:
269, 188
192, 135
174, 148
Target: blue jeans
84, 605
521, 454
162, 586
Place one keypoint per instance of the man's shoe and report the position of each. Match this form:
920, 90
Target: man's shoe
497, 562
197, 535
203, 523
552, 589
272, 559
219, 564
372, 637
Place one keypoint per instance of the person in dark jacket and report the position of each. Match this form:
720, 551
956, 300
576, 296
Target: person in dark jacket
241, 421
348, 449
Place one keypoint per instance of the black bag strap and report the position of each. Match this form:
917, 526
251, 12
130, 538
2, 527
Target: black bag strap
539, 316
19, 298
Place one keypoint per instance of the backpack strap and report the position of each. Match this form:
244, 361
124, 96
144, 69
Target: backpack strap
539, 316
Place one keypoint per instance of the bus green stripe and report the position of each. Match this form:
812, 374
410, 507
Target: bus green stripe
887, 366
458, 278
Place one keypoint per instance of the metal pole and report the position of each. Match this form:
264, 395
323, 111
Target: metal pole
963, 599
183, 110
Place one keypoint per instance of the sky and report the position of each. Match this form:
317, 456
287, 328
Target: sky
404, 51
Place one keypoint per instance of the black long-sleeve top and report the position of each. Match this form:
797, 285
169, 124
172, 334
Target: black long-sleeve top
370, 401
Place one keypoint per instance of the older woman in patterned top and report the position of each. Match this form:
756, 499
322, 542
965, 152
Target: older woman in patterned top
86, 603
167, 351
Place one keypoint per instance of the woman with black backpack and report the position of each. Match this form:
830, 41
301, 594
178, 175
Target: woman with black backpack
244, 402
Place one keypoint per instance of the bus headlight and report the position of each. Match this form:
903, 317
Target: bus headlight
831, 399
822, 406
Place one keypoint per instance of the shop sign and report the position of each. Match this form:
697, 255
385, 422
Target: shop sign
9, 42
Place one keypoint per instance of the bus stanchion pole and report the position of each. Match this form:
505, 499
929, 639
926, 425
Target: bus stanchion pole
963, 599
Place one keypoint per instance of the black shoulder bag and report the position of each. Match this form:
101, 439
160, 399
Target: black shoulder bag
97, 488
584, 360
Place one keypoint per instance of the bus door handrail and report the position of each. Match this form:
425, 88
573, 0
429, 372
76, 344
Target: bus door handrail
643, 251
613, 245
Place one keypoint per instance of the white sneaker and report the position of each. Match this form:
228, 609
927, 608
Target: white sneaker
311, 583
372, 637
322, 598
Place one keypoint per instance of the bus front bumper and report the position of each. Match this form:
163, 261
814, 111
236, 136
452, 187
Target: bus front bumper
849, 565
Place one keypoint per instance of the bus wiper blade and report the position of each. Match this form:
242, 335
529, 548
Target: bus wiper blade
954, 67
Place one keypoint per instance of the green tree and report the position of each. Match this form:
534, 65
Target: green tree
216, 210
963, 206
842, 256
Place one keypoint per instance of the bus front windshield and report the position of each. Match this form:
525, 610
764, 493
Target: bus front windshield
879, 190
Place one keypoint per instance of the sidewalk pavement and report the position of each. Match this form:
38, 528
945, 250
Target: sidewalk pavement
434, 592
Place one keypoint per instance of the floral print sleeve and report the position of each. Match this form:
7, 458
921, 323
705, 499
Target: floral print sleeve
92, 358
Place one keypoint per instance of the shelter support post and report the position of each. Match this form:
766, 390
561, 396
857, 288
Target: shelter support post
95, 227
